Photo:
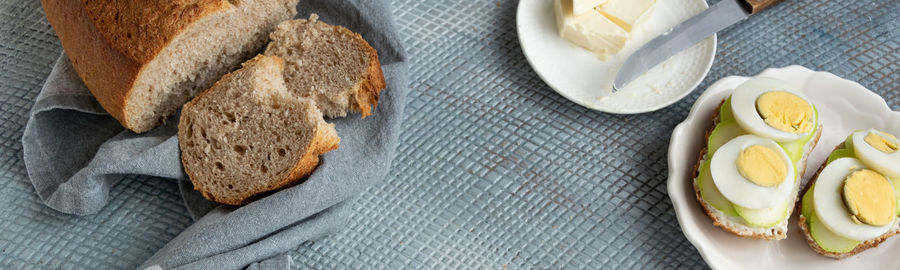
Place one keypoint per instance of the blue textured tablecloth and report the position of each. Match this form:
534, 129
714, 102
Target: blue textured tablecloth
494, 169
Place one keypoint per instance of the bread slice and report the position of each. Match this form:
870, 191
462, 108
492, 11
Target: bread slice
330, 64
247, 135
734, 225
804, 227
143, 60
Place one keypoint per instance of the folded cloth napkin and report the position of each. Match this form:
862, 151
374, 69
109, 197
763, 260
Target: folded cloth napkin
74, 152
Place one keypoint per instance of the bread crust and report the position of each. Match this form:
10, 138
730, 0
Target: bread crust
711, 212
804, 228
126, 25
367, 92
110, 42
107, 72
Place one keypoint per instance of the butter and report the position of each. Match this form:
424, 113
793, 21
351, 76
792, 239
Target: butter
601, 26
627, 13
582, 6
590, 30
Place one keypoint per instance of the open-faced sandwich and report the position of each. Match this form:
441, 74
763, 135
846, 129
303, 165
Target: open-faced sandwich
851, 203
748, 175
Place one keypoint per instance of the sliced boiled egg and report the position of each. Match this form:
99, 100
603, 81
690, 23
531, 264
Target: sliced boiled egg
854, 202
753, 172
878, 150
773, 109
869, 197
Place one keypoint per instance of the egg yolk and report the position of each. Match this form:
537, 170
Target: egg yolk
785, 111
870, 198
881, 143
762, 166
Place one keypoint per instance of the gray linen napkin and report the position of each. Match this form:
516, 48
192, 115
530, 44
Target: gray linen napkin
74, 152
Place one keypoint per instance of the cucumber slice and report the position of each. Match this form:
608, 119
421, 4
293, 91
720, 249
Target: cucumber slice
806, 206
826, 239
896, 184
725, 113
848, 143
764, 218
711, 194
845, 151
839, 153
724, 132
794, 149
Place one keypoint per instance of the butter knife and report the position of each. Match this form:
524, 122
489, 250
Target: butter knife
686, 34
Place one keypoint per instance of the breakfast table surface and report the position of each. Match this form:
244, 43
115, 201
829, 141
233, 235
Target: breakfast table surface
494, 169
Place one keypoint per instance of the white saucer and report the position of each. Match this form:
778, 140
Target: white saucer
576, 74
843, 106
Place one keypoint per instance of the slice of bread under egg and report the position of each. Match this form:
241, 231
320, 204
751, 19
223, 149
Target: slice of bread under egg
805, 224
735, 224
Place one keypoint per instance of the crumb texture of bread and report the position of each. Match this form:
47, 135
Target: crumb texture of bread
734, 225
143, 60
247, 135
329, 64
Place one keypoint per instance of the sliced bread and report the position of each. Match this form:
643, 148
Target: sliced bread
329, 64
246, 135
143, 60
732, 224
803, 223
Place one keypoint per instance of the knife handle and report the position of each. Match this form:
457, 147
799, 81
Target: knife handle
759, 5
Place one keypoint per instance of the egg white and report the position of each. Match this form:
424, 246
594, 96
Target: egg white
739, 190
743, 106
829, 203
887, 164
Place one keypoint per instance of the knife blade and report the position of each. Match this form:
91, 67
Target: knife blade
712, 20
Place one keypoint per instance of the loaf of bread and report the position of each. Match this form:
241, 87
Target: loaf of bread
247, 135
143, 60
329, 64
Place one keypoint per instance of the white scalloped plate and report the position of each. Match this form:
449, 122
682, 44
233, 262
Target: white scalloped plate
577, 75
843, 106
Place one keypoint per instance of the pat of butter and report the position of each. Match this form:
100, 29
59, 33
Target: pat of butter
581, 6
627, 13
590, 30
